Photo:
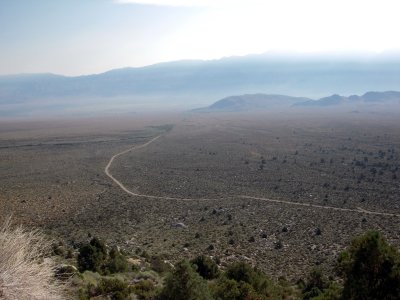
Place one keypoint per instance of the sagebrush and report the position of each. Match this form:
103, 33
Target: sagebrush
25, 272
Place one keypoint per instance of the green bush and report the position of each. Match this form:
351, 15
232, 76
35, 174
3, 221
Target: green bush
114, 288
158, 264
315, 284
206, 267
116, 262
242, 272
333, 292
106, 288
225, 289
229, 289
145, 290
92, 256
243, 282
371, 268
185, 284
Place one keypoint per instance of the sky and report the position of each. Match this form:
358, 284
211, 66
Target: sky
77, 37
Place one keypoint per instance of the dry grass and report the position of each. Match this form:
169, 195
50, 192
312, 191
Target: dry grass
24, 272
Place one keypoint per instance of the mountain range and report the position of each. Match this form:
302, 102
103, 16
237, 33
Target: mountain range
183, 85
257, 102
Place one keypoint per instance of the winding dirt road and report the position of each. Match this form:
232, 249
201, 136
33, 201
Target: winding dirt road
309, 205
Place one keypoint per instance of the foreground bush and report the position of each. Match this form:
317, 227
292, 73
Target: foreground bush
94, 256
244, 273
206, 267
116, 262
114, 288
315, 285
145, 290
371, 268
24, 274
103, 287
243, 282
185, 284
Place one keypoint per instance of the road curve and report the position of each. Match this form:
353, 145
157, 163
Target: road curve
310, 205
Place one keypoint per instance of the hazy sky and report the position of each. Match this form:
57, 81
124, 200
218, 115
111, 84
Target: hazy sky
74, 37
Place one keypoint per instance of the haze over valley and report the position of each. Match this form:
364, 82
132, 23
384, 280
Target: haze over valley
185, 85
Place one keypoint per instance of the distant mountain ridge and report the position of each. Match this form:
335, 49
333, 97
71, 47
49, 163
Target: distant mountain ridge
367, 98
251, 102
187, 84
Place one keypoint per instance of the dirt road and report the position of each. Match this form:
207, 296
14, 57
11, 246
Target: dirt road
309, 205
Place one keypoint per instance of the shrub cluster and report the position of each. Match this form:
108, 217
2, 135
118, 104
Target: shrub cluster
242, 281
111, 287
94, 256
368, 270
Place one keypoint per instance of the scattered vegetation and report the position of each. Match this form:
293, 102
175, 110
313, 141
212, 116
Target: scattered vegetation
368, 269
357, 172
322, 167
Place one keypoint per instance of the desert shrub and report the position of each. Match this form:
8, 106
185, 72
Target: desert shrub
58, 249
87, 292
242, 272
145, 255
116, 262
185, 284
225, 289
64, 272
333, 292
92, 256
158, 264
315, 284
229, 289
114, 288
24, 273
206, 267
371, 268
106, 288
145, 290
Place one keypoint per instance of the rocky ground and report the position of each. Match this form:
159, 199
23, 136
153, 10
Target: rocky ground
55, 180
